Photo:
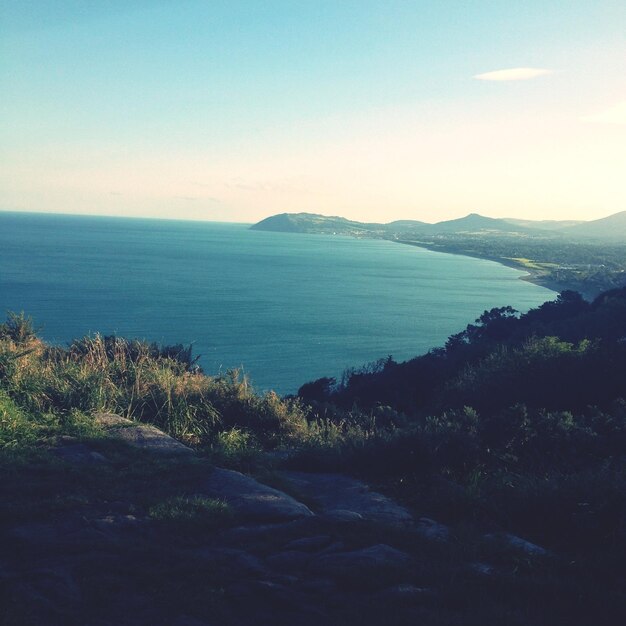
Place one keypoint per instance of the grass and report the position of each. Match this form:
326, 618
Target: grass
16, 429
131, 379
197, 512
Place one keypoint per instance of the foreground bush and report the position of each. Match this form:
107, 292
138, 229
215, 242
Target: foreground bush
160, 385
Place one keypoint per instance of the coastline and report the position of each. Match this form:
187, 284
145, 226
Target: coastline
534, 276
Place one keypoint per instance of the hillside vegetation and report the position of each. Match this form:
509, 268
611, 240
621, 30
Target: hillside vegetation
521, 420
517, 424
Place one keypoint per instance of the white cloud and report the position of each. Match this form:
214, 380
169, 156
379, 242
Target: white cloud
515, 73
613, 115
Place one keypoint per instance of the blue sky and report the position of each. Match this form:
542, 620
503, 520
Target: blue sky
372, 110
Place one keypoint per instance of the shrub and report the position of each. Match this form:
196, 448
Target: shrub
16, 427
18, 328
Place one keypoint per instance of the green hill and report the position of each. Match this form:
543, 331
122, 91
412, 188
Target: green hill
612, 227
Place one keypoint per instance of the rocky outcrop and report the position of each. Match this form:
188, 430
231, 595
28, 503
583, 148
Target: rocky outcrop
138, 435
340, 496
251, 499
350, 555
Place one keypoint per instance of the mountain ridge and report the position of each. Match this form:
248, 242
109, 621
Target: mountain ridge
611, 227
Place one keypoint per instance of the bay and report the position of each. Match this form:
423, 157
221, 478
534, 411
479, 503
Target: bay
286, 308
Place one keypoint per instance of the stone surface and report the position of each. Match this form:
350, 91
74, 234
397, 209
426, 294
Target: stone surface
405, 594
251, 499
342, 516
363, 562
430, 529
309, 543
335, 546
139, 435
116, 522
107, 420
333, 493
187, 620
231, 561
318, 585
78, 453
45, 596
518, 543
70, 534
289, 561
482, 568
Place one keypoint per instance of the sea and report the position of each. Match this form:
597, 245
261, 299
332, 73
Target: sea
284, 308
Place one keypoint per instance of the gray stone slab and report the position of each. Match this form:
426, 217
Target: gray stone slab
517, 543
309, 544
431, 529
252, 499
360, 562
79, 454
138, 435
338, 494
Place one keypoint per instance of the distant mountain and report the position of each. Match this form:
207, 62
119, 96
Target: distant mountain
554, 225
475, 223
406, 225
611, 227
314, 223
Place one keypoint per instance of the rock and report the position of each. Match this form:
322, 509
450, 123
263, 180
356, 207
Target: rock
404, 594
342, 516
46, 596
138, 435
335, 492
366, 561
78, 453
251, 499
518, 543
259, 532
318, 585
335, 546
267, 589
118, 507
482, 568
232, 562
289, 561
430, 529
116, 522
67, 439
108, 420
71, 534
283, 579
268, 602
309, 543
188, 620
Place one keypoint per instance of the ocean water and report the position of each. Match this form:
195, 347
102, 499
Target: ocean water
287, 308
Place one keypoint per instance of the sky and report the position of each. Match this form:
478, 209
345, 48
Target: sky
373, 110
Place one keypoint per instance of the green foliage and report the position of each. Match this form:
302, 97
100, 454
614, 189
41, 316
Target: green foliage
18, 328
16, 429
195, 512
512, 358
145, 382
237, 449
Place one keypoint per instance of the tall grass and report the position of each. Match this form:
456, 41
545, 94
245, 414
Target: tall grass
144, 382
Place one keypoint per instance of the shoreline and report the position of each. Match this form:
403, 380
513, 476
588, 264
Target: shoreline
536, 277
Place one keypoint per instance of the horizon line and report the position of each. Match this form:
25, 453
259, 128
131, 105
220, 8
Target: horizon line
189, 219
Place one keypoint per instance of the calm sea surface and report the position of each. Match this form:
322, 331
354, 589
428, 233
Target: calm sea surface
288, 308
